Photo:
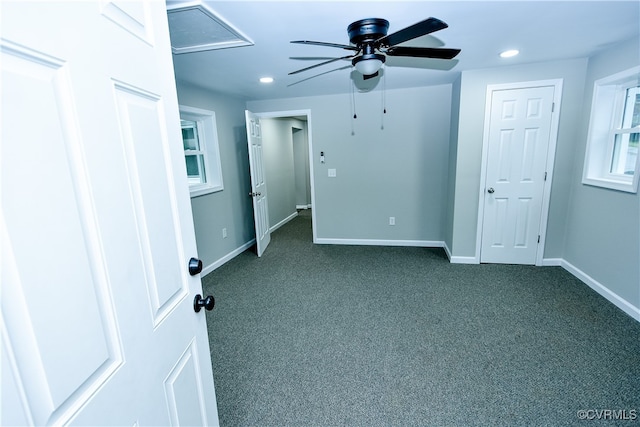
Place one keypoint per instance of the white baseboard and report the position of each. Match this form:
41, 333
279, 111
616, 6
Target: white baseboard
283, 222
463, 260
303, 206
379, 242
459, 259
228, 257
611, 296
446, 250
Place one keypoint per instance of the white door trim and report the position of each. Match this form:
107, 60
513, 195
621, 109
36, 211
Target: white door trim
291, 113
551, 154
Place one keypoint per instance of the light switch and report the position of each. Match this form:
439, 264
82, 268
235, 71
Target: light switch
332, 173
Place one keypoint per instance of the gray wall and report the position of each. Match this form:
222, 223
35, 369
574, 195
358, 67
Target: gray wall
230, 208
277, 145
469, 147
394, 165
602, 225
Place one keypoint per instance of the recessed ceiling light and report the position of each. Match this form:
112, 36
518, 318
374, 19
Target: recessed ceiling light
266, 79
509, 53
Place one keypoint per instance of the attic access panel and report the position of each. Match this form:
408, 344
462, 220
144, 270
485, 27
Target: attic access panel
194, 27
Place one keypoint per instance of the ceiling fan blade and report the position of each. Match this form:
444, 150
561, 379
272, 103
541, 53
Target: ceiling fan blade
423, 52
322, 63
421, 28
341, 46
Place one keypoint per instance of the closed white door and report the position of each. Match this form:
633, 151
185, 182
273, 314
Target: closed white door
97, 320
258, 182
518, 143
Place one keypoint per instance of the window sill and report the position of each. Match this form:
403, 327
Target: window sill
201, 190
626, 186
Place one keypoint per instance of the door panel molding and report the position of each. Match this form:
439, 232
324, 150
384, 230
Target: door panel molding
185, 380
133, 17
29, 237
155, 210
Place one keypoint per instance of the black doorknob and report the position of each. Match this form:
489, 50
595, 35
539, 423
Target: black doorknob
200, 302
195, 266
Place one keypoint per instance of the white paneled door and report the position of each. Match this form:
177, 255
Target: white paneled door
258, 182
520, 126
98, 322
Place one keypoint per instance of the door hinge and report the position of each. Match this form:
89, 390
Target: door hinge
545, 176
538, 238
553, 106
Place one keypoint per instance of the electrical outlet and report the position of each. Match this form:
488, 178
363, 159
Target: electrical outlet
392, 220
224, 233
332, 173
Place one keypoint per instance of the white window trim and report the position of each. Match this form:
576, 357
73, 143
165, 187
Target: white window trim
606, 114
208, 138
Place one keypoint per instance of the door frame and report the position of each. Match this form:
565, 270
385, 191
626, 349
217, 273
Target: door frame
307, 113
551, 155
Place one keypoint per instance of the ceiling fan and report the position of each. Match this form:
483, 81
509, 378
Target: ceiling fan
371, 44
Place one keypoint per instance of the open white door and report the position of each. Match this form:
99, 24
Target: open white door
258, 182
519, 134
97, 321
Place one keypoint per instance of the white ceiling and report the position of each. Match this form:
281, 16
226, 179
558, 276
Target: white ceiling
541, 30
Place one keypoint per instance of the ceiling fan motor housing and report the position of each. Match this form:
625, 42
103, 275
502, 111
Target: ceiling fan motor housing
367, 30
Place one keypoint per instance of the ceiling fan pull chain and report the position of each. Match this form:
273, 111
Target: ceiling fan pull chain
384, 99
353, 99
384, 93
353, 105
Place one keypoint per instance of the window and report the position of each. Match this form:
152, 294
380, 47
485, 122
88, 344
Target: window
194, 153
614, 133
625, 140
201, 154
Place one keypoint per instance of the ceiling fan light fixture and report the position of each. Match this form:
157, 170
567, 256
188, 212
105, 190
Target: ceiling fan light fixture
368, 64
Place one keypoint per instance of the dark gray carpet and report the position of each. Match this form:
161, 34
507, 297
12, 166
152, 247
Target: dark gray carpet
320, 335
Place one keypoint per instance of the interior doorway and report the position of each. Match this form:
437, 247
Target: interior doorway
288, 165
